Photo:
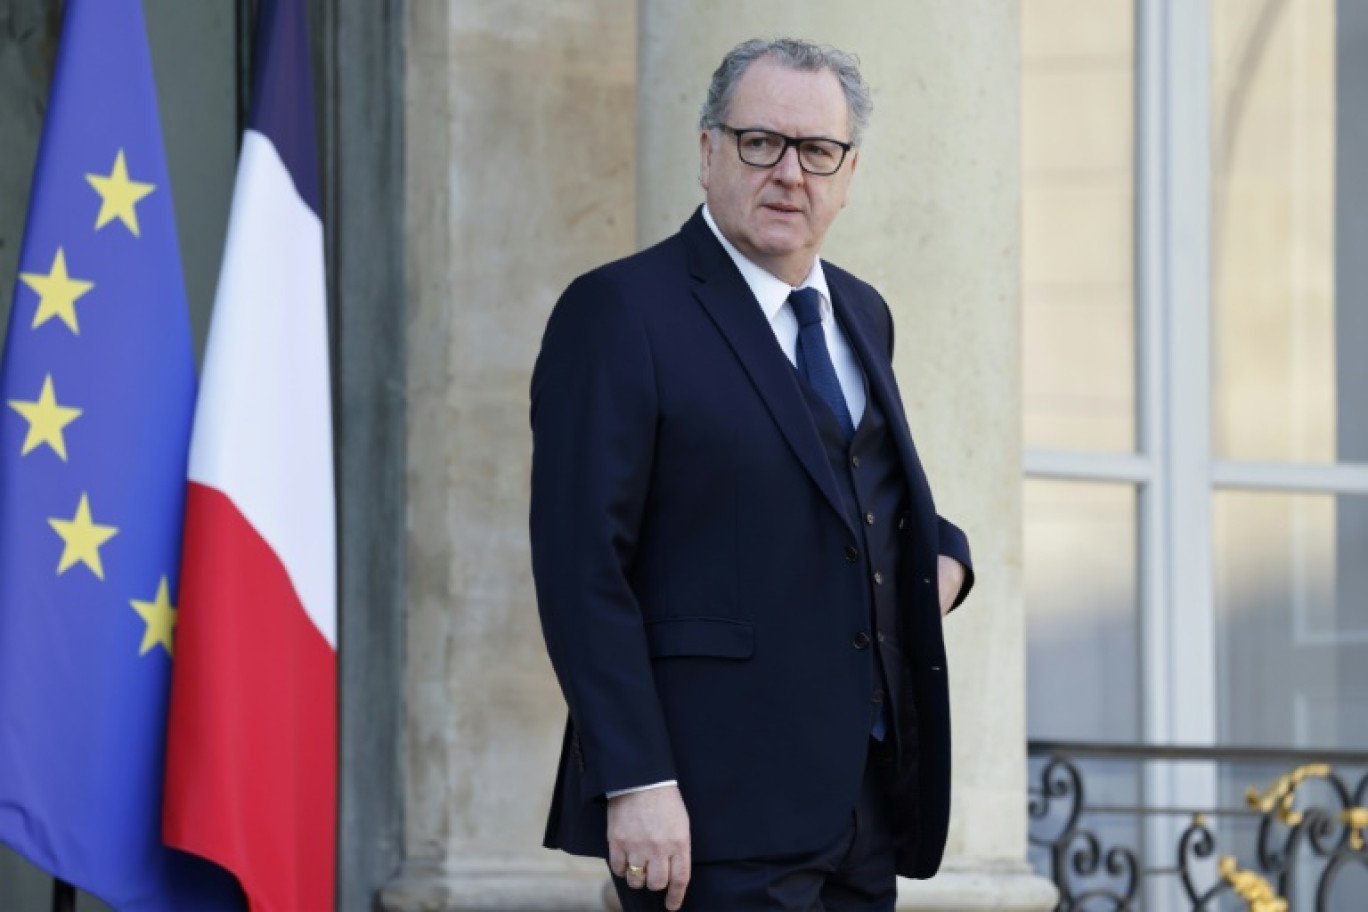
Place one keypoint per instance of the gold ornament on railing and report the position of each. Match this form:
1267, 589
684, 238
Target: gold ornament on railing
1281, 795
1250, 887
1356, 819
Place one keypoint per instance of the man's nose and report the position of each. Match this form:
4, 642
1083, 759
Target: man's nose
787, 170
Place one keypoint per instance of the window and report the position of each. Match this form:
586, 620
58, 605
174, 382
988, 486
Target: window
1195, 322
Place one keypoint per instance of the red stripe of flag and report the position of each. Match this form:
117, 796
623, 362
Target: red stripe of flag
251, 772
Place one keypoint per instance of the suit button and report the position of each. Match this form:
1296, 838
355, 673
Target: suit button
852, 553
855, 461
881, 638
902, 522
861, 640
869, 519
878, 696
878, 578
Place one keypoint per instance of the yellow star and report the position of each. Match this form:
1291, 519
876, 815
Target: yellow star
160, 617
118, 195
46, 420
57, 293
83, 539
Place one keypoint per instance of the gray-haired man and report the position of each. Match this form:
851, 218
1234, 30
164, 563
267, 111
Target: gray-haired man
740, 570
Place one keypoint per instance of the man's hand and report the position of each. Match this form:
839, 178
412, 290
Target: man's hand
951, 573
650, 830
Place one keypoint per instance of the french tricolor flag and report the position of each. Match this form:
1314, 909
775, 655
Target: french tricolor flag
251, 767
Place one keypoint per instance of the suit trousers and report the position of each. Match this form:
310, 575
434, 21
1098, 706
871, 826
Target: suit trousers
852, 873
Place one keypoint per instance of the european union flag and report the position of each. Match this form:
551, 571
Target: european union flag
97, 390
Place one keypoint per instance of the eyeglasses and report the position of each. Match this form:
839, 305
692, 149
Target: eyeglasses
764, 148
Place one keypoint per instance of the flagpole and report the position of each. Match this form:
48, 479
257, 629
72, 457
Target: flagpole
245, 22
63, 896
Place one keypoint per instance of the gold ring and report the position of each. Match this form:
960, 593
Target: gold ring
636, 871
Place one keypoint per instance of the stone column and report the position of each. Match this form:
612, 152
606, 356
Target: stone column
933, 222
519, 175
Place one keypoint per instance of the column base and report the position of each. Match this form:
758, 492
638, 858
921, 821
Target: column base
523, 882
967, 886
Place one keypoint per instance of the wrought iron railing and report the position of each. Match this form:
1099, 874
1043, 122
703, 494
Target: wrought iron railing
1294, 842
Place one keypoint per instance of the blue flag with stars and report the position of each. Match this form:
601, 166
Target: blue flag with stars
97, 390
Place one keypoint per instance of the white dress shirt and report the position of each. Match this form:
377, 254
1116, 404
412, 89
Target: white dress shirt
772, 295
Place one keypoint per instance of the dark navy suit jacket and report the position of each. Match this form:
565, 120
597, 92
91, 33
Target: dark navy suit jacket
693, 572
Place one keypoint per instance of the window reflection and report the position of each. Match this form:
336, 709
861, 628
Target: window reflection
1273, 222
1082, 664
1081, 611
1077, 208
1292, 615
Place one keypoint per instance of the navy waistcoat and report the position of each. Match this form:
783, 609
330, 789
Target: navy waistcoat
870, 478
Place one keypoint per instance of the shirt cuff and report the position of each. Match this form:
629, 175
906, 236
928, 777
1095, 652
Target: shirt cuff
641, 788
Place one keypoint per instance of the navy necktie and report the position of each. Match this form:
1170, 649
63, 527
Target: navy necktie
814, 360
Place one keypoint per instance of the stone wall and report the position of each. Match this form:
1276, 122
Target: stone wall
520, 157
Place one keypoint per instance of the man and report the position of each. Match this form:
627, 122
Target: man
740, 572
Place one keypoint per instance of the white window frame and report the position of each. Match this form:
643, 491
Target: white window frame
1172, 466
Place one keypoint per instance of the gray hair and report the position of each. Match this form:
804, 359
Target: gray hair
795, 54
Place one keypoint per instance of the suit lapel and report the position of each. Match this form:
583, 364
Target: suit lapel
884, 388
729, 302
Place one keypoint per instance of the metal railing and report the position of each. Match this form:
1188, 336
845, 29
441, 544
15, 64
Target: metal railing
1290, 843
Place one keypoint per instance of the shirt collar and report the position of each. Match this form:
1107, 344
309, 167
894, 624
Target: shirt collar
770, 291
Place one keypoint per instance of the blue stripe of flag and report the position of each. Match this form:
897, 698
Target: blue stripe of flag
282, 92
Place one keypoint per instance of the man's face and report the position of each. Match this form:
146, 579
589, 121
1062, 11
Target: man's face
778, 216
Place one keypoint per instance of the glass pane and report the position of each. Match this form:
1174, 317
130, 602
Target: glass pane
1082, 654
1292, 615
1081, 611
1078, 318
1276, 380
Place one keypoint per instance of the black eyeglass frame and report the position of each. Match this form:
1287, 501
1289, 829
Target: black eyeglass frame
793, 141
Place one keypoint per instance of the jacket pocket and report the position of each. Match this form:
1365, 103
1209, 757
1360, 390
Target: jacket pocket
715, 637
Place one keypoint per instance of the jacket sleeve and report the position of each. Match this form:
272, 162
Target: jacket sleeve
954, 543
594, 415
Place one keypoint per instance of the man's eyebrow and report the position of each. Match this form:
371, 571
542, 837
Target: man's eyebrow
787, 135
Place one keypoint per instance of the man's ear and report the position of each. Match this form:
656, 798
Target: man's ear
704, 157
854, 160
